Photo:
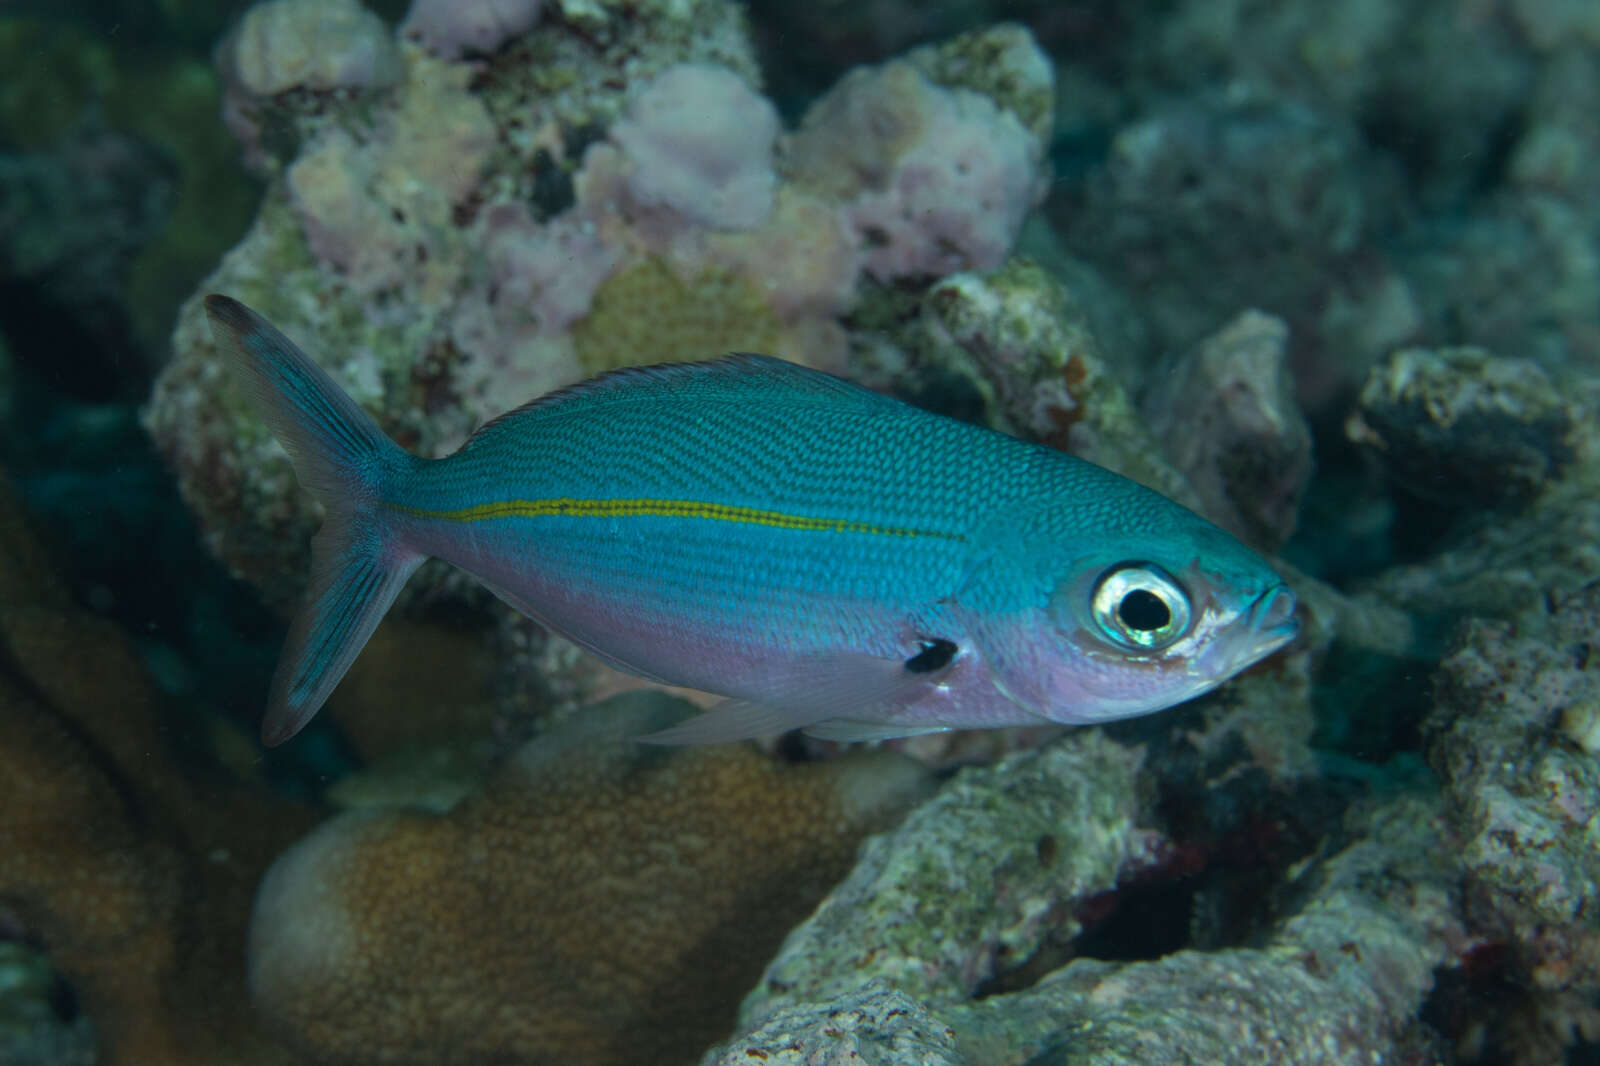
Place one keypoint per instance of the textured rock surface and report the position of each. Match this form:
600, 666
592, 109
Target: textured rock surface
454, 230
73, 221
1515, 736
1225, 415
974, 878
600, 191
1246, 199
308, 44
1338, 982
1500, 564
1024, 340
1462, 426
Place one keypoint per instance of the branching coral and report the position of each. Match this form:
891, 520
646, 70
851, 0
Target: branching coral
135, 876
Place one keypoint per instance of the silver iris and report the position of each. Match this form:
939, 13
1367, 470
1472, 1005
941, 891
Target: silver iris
1140, 606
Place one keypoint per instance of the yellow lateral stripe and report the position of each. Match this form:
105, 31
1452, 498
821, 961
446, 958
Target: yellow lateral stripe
569, 507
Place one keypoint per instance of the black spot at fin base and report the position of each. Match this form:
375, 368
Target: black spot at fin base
935, 655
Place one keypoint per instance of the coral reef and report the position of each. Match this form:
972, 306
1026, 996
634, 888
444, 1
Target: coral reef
72, 223
484, 231
932, 180
1208, 206
1019, 335
132, 114
308, 44
698, 142
499, 197
1514, 736
596, 902
452, 29
989, 866
1225, 414
1539, 435
1338, 982
1463, 426
134, 874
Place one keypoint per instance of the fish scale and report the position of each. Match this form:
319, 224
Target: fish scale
826, 557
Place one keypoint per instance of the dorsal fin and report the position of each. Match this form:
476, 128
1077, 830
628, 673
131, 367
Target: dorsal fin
734, 378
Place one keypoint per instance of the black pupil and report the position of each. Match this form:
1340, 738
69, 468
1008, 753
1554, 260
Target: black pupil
1143, 610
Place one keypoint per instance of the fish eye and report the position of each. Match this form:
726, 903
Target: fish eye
1140, 606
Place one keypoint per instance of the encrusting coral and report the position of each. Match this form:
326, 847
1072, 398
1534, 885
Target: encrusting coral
597, 901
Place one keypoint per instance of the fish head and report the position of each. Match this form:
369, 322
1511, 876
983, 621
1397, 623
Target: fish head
1156, 622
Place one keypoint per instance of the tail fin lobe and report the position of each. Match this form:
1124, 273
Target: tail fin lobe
343, 458
352, 587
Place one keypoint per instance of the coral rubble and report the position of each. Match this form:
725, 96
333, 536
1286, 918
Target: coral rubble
1226, 416
1465, 426
987, 867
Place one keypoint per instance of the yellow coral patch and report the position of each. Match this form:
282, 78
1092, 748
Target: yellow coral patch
647, 314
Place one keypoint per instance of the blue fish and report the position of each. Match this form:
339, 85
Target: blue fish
827, 558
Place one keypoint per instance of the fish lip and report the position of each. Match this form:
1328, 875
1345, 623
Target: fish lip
1271, 620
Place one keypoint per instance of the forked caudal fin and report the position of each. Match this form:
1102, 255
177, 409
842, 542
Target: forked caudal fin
343, 458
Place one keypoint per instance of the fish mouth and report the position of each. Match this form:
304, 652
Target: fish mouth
1263, 627
1269, 624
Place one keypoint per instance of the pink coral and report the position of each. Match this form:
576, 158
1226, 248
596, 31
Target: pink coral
454, 28
933, 180
279, 45
550, 273
700, 141
540, 279
308, 44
